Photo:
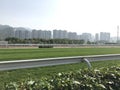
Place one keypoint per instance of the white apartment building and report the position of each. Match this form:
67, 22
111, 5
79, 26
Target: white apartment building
47, 34
96, 37
86, 36
6, 32
22, 33
27, 34
104, 36
41, 34
59, 34
34, 34
72, 36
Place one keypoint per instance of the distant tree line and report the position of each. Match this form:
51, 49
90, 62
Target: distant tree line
13, 40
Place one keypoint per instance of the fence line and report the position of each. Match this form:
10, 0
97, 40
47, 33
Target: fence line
18, 64
58, 45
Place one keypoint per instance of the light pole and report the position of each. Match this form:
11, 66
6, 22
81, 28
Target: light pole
117, 34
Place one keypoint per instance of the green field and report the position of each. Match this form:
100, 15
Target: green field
16, 54
37, 73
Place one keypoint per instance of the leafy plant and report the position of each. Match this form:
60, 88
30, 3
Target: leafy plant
100, 79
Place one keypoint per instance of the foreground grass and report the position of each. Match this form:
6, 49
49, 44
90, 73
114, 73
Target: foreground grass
105, 78
16, 54
37, 73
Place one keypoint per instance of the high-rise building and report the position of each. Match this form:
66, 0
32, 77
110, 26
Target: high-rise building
6, 32
96, 37
86, 37
40, 34
19, 34
104, 36
72, 36
22, 33
44, 34
27, 34
55, 34
59, 34
47, 34
34, 34
63, 34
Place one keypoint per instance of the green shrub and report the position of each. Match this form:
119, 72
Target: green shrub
45, 46
102, 79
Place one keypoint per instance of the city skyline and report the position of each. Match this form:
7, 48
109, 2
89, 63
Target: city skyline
73, 15
23, 33
30, 29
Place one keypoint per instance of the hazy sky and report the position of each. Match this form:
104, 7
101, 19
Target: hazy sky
92, 16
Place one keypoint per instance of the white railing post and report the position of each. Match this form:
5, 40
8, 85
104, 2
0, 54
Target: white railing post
87, 62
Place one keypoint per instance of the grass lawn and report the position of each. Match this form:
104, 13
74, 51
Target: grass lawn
37, 73
17, 54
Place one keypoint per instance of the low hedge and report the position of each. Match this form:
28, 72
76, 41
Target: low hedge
102, 79
45, 46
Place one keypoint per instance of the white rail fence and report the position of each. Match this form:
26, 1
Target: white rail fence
18, 64
59, 45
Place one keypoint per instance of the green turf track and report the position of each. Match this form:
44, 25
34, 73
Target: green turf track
37, 73
17, 54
